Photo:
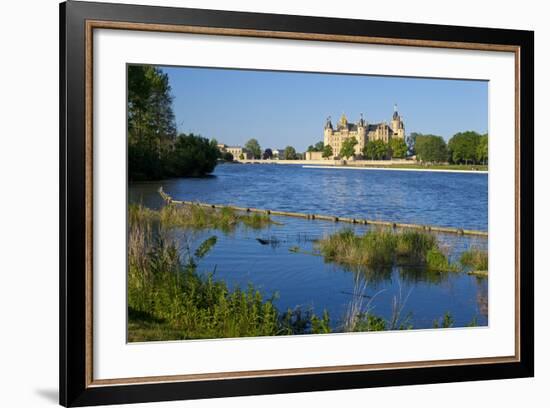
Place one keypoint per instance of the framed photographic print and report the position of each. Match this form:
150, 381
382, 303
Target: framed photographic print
256, 203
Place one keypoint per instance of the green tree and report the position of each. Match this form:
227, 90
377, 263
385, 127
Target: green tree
463, 147
431, 148
483, 149
227, 156
151, 122
348, 147
318, 147
411, 143
375, 150
327, 151
290, 153
398, 148
253, 147
241, 156
191, 156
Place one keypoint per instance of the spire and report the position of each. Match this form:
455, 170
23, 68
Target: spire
395, 114
328, 123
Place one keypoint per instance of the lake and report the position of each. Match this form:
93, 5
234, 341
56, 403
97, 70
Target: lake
284, 264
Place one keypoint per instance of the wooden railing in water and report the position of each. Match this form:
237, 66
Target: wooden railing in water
449, 230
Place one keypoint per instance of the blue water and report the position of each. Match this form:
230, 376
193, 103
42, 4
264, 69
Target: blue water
305, 280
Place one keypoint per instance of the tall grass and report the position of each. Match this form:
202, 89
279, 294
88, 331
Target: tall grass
383, 247
476, 259
169, 300
198, 217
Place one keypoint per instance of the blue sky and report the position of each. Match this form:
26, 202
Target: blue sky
288, 108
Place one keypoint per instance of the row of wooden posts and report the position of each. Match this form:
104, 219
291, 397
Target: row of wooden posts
333, 218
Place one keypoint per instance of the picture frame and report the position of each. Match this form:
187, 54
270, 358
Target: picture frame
79, 21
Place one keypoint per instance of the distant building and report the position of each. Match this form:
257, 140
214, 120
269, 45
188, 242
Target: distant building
362, 131
236, 151
278, 153
314, 155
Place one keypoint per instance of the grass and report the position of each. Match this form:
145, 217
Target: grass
477, 260
469, 167
199, 217
384, 247
169, 300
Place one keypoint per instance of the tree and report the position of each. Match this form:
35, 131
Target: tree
268, 154
375, 150
483, 149
411, 143
463, 147
241, 156
253, 147
151, 122
227, 156
431, 148
398, 148
318, 147
348, 147
191, 156
290, 153
327, 151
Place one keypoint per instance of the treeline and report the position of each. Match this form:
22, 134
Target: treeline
463, 148
155, 150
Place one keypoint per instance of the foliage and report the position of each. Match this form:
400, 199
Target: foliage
198, 217
290, 153
411, 143
378, 247
445, 322
327, 151
398, 148
318, 147
431, 148
227, 156
375, 150
268, 154
253, 147
476, 259
191, 156
482, 153
154, 150
348, 147
463, 147
169, 300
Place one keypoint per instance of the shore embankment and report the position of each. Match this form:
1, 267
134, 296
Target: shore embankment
398, 165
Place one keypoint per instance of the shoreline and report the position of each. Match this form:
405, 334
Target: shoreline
394, 169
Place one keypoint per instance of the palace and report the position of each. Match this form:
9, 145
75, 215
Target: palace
362, 131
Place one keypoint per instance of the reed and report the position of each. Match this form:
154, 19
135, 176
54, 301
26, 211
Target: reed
476, 259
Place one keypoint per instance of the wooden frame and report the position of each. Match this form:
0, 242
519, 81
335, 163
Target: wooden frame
77, 22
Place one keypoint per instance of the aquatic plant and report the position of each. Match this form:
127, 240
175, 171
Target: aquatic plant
476, 259
198, 217
381, 247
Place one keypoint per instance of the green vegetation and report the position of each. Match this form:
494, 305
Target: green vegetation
383, 247
253, 147
327, 151
155, 151
476, 259
398, 148
228, 157
290, 153
318, 147
375, 150
445, 322
466, 147
169, 300
198, 217
348, 147
430, 148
